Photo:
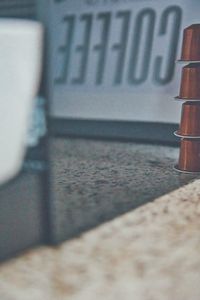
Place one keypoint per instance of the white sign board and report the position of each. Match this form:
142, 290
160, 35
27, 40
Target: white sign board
115, 59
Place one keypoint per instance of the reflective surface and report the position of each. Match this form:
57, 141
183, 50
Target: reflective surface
190, 47
189, 155
190, 82
190, 124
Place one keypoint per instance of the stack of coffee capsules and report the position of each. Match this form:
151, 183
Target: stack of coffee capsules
189, 129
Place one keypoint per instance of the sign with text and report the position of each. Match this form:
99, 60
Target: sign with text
115, 59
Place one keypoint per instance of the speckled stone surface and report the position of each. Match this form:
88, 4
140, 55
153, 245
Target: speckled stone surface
94, 182
151, 253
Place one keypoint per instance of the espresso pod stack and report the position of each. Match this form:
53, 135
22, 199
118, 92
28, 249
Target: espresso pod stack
189, 129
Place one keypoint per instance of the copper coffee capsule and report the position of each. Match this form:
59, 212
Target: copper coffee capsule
190, 120
190, 82
189, 158
191, 43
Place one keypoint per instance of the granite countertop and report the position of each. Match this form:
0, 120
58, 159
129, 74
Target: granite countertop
151, 253
95, 181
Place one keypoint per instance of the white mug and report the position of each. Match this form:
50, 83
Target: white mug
20, 70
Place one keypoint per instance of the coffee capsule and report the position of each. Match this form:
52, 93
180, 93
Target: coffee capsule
190, 82
190, 120
189, 158
191, 43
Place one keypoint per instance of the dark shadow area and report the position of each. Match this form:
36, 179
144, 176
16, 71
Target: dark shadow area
124, 131
21, 214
